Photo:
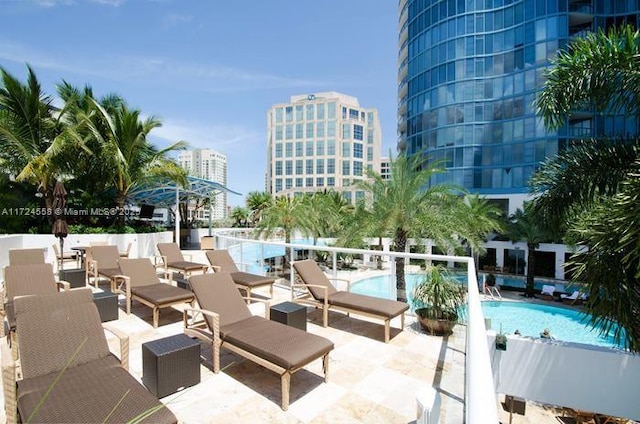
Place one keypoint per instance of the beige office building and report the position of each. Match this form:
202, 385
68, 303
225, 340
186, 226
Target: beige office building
209, 165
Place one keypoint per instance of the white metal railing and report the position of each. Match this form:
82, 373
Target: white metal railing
480, 395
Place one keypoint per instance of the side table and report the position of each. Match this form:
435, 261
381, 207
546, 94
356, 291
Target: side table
170, 364
107, 303
75, 277
290, 313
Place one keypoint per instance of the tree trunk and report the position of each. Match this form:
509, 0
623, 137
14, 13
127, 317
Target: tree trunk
528, 291
401, 287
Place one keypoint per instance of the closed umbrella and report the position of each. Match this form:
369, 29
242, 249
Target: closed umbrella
60, 227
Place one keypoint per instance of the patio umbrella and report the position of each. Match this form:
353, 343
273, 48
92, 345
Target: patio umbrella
60, 227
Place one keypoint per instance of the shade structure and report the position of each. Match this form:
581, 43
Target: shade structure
60, 226
163, 193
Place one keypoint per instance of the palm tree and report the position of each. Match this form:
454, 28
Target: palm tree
240, 216
257, 202
526, 225
284, 213
127, 156
28, 132
480, 218
404, 206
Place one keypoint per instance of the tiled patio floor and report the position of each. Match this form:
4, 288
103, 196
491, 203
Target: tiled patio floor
369, 381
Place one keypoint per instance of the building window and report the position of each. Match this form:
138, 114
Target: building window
288, 150
279, 115
319, 166
358, 132
299, 148
288, 183
331, 110
288, 132
288, 113
347, 196
353, 114
369, 153
320, 111
309, 182
299, 167
320, 129
309, 166
310, 113
299, 116
278, 167
279, 132
331, 129
278, 184
309, 148
357, 150
320, 182
298, 131
344, 112
288, 167
331, 182
331, 166
309, 132
278, 150
320, 148
346, 131
359, 195
346, 167
357, 168
346, 150
362, 116
331, 147
298, 182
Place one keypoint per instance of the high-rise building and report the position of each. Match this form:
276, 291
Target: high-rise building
321, 141
209, 165
385, 168
469, 72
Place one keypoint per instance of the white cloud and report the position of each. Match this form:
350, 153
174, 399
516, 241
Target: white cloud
160, 71
175, 19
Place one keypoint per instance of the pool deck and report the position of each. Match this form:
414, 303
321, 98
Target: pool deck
369, 381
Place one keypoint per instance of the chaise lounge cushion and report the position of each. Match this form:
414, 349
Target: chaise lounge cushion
250, 280
101, 388
280, 344
368, 304
162, 293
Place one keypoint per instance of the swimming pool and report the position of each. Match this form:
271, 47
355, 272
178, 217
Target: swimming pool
253, 254
530, 319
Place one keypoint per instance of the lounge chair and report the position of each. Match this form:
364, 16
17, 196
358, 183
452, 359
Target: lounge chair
125, 253
319, 292
576, 298
228, 323
23, 280
102, 261
222, 261
26, 256
547, 292
139, 281
68, 374
63, 257
172, 258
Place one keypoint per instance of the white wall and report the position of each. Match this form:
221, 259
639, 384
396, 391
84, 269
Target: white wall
566, 374
143, 245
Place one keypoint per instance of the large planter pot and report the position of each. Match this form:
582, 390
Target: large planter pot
435, 326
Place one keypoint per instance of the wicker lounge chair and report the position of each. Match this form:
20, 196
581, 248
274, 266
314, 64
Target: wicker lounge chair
63, 257
172, 259
26, 256
141, 283
23, 280
125, 253
318, 291
102, 261
228, 323
222, 261
68, 374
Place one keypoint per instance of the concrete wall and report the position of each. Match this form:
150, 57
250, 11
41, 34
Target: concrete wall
568, 374
142, 245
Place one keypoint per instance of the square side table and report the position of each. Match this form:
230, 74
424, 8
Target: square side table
75, 277
170, 364
290, 313
107, 303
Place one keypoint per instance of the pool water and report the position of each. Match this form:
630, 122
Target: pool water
254, 253
530, 319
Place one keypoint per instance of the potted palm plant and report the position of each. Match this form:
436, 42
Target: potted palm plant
436, 300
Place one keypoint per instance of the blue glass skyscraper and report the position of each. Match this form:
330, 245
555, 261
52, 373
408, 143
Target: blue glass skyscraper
469, 72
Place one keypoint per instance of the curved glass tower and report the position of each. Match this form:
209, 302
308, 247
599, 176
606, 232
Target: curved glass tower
468, 74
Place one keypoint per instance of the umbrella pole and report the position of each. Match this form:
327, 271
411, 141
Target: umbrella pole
61, 254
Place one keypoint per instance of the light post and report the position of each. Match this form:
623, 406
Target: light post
517, 256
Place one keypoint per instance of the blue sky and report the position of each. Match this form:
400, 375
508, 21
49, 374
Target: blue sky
210, 70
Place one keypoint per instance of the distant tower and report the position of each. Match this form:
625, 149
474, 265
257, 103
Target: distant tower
209, 165
321, 141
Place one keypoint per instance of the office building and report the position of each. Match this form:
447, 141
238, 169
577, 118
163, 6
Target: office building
469, 72
321, 141
209, 165
385, 168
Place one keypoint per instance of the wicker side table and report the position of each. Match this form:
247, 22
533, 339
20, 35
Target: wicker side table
290, 313
75, 277
107, 303
170, 364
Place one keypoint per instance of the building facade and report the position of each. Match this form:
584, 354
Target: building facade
209, 165
321, 141
469, 72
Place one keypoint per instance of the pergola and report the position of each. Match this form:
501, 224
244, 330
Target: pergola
168, 194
